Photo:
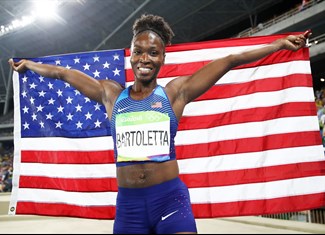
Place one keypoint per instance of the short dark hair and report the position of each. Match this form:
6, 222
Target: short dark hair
156, 24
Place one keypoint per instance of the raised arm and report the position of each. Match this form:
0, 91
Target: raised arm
186, 89
98, 90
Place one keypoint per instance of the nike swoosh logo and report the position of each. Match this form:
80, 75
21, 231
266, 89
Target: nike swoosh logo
120, 110
166, 216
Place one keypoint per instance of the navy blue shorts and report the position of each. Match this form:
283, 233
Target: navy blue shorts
160, 209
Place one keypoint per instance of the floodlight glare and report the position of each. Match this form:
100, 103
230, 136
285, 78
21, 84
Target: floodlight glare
45, 9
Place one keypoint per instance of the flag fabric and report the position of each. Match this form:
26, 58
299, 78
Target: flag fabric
250, 145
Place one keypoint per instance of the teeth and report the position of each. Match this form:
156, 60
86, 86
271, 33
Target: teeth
144, 69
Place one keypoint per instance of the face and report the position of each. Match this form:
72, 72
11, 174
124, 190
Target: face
147, 56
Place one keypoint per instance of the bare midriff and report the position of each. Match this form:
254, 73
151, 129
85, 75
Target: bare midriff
148, 174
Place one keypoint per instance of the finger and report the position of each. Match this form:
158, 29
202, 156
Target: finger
307, 33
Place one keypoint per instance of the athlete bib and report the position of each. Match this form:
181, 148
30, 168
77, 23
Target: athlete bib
142, 136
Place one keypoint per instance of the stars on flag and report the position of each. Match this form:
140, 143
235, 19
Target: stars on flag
52, 107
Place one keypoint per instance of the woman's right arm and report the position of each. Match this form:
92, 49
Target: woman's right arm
90, 87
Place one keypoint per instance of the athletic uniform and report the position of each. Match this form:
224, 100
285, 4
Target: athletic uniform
143, 131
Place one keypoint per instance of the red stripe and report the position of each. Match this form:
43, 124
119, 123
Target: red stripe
245, 145
263, 85
255, 175
66, 157
220, 43
184, 69
296, 109
213, 210
59, 209
259, 207
71, 185
211, 179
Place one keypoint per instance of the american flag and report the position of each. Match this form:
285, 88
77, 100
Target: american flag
249, 146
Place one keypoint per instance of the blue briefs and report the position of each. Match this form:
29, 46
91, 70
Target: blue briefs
162, 209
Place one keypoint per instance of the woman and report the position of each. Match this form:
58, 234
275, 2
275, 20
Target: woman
144, 119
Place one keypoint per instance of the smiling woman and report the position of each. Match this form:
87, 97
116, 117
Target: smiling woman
144, 119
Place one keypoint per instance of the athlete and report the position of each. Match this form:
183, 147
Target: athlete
144, 119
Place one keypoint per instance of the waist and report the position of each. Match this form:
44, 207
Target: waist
148, 174
164, 187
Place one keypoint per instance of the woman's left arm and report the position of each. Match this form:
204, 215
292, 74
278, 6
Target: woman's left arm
195, 85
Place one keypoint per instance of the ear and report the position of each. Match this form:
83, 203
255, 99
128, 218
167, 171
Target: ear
164, 58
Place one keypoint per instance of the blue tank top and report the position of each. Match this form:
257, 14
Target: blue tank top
143, 130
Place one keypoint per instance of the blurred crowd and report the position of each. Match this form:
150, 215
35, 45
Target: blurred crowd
6, 168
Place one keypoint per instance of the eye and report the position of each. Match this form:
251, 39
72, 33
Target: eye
154, 53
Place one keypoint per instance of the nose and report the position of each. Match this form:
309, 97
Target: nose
144, 58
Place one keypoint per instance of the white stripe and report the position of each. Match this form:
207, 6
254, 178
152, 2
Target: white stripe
247, 130
255, 73
266, 71
259, 191
61, 143
185, 137
187, 166
255, 100
239, 161
78, 171
189, 56
72, 198
17, 143
243, 192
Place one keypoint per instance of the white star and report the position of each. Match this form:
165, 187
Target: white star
34, 117
76, 60
32, 86
97, 106
58, 125
25, 109
78, 108
50, 85
25, 79
86, 66
41, 124
31, 100
69, 116
68, 67
24, 94
96, 73
41, 78
87, 100
26, 126
51, 101
116, 57
76, 92
96, 58
59, 92
79, 125
49, 116
106, 65
88, 116
97, 123
116, 72
41, 94
40, 108
69, 100
60, 109
67, 84
57, 62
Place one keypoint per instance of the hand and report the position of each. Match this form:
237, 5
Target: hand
295, 42
19, 66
